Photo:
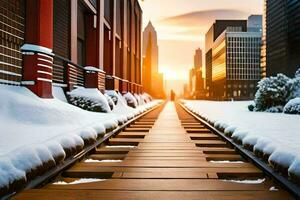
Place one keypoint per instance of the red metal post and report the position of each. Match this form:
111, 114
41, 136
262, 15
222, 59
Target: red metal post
39, 38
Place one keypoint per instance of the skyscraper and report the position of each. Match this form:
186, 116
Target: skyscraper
150, 32
196, 81
236, 62
151, 78
282, 36
213, 33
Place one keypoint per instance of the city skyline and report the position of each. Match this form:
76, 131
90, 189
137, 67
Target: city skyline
183, 29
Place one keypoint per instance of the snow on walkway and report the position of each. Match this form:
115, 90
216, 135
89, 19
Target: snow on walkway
274, 134
37, 133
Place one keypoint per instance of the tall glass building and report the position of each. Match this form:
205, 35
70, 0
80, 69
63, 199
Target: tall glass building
282, 36
236, 64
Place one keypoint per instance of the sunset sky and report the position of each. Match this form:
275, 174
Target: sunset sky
181, 26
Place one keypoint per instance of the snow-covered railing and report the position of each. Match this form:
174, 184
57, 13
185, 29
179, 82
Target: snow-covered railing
72, 159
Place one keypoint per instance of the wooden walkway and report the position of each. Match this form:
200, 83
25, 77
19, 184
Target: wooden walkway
173, 158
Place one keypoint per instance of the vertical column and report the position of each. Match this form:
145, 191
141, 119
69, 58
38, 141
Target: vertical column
114, 26
38, 59
73, 34
92, 60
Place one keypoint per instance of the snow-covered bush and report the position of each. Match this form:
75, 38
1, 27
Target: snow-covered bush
275, 109
110, 101
272, 92
89, 99
295, 88
293, 106
139, 99
251, 107
147, 98
131, 100
113, 95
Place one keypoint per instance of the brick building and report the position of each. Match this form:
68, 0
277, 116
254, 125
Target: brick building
69, 43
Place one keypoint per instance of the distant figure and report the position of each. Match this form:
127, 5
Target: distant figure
172, 95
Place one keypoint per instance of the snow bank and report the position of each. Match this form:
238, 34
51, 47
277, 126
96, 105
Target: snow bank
273, 136
37, 134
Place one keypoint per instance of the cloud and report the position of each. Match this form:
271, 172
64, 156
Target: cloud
192, 26
205, 18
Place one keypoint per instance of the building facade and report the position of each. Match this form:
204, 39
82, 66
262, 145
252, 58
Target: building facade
152, 80
196, 81
70, 43
236, 64
282, 36
210, 37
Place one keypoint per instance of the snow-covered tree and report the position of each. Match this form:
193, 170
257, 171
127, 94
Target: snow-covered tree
294, 88
273, 92
297, 74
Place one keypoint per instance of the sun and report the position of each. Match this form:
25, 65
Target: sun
170, 74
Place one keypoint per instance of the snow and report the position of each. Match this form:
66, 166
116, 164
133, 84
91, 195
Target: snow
293, 106
139, 98
79, 181
225, 161
120, 146
36, 48
93, 95
257, 181
92, 69
101, 161
131, 100
273, 134
40, 133
58, 93
273, 189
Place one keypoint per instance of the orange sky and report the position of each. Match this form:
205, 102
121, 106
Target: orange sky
181, 26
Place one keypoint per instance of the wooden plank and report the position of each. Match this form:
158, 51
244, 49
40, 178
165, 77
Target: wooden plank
163, 184
203, 158
125, 141
136, 129
190, 123
164, 175
112, 150
87, 168
137, 150
203, 136
194, 126
107, 156
166, 154
167, 163
204, 130
141, 126
41, 194
131, 135
167, 148
217, 150
211, 143
166, 144
144, 123
218, 157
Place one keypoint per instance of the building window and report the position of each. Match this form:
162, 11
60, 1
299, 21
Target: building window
81, 38
108, 10
118, 17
